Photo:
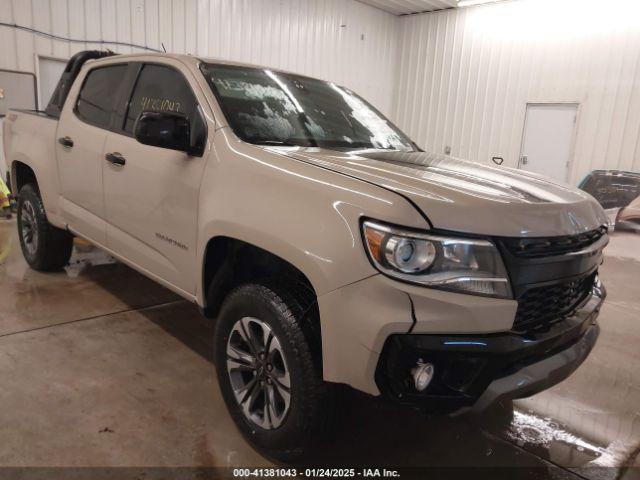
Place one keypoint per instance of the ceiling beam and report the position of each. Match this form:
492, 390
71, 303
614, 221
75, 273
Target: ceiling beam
407, 7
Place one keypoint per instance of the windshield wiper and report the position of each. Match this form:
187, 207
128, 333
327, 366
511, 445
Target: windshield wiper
284, 143
279, 143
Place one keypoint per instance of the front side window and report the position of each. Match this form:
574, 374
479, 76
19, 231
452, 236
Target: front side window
97, 99
160, 89
272, 108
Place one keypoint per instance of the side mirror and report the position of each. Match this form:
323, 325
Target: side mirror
164, 129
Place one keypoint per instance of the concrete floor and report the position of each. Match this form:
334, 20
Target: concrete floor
101, 367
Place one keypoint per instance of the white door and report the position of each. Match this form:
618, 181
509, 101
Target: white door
151, 194
548, 139
49, 73
82, 132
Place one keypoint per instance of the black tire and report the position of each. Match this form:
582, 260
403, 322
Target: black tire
45, 247
310, 398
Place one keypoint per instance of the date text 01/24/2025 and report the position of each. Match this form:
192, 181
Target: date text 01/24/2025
315, 473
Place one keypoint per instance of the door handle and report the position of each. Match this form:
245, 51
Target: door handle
115, 158
65, 142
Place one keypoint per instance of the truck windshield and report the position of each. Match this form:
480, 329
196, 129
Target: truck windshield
272, 108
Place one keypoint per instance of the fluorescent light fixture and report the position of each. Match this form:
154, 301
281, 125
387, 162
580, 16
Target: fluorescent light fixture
572, 20
469, 3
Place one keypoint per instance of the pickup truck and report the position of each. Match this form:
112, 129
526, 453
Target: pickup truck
328, 247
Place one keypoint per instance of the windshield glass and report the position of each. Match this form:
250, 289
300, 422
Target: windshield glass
272, 108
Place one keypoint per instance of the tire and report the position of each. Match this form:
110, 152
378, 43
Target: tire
45, 247
259, 308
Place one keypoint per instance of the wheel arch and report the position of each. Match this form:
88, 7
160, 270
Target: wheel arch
25, 170
21, 175
229, 262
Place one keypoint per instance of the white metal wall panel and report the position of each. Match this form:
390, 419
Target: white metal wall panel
343, 41
466, 75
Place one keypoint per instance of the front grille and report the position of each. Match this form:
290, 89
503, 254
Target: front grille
540, 307
550, 246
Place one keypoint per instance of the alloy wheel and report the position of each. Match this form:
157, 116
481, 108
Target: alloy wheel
258, 373
29, 227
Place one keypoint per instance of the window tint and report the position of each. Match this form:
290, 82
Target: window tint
97, 99
160, 89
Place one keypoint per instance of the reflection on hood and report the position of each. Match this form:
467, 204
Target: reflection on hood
484, 181
464, 196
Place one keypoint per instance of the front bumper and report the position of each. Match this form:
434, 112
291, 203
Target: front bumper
474, 371
358, 319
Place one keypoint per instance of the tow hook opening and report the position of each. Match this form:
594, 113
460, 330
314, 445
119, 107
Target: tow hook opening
422, 375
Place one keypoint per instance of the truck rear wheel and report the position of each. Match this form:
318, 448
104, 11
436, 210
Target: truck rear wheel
45, 247
269, 381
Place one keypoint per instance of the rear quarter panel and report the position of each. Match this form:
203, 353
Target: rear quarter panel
29, 138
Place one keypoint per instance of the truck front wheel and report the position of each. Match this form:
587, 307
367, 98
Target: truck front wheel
267, 375
45, 247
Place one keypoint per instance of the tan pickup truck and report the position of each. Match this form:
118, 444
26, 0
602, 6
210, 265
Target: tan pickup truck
328, 247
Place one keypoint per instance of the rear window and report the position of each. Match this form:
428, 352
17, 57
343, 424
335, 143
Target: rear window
97, 99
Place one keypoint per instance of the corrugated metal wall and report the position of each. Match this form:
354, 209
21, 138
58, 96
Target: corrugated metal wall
340, 40
458, 78
466, 76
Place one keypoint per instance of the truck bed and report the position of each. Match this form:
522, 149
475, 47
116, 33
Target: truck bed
40, 113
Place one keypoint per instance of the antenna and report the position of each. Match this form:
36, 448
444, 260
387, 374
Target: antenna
165, 50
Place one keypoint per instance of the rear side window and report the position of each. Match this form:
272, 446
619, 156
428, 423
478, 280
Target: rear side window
99, 93
160, 89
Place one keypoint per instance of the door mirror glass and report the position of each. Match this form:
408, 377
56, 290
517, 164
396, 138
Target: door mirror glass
164, 129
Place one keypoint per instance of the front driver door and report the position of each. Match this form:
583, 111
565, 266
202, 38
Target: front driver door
81, 134
151, 195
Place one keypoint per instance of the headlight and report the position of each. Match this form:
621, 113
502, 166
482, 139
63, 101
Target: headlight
457, 264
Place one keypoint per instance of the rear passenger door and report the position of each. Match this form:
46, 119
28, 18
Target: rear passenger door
81, 134
151, 201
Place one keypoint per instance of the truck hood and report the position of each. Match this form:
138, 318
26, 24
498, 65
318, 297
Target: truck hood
469, 197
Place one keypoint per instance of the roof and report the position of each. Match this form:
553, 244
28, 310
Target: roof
185, 58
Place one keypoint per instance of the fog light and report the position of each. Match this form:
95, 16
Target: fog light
422, 375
